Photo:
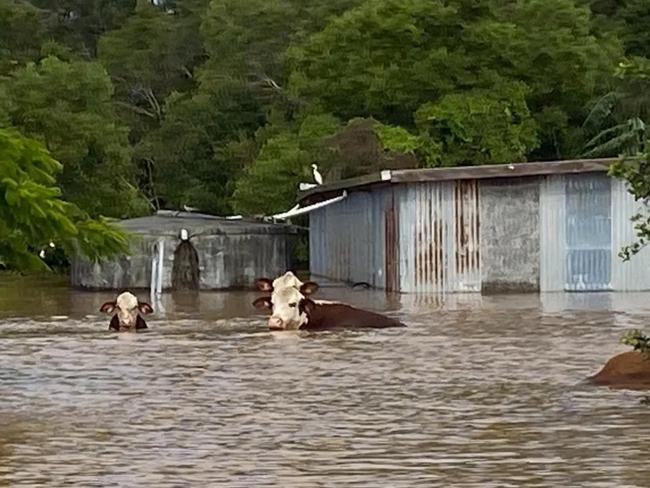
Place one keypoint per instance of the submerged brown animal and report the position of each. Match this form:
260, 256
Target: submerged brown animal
292, 309
629, 370
127, 310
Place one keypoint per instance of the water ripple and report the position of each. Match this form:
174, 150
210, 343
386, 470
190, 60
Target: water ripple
487, 394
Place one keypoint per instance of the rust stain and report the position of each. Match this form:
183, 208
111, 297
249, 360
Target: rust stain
391, 239
467, 231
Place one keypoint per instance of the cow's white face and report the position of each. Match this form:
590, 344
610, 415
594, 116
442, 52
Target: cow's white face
287, 309
126, 308
286, 300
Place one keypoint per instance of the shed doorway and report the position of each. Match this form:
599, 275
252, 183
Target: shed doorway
185, 271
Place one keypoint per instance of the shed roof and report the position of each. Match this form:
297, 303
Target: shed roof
167, 222
388, 177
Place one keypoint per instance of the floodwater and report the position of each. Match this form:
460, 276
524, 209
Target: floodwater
476, 392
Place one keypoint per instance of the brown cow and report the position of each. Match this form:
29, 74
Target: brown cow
128, 310
629, 370
292, 309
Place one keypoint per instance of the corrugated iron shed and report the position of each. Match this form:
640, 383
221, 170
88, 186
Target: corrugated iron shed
546, 226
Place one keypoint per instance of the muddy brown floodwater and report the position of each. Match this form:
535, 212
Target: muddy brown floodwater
476, 392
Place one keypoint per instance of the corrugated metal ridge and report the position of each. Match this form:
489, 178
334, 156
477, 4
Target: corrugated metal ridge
502, 170
459, 173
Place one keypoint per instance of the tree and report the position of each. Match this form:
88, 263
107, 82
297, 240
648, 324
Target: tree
271, 184
480, 126
636, 171
78, 24
33, 214
247, 41
192, 151
208, 135
152, 60
620, 116
387, 58
628, 20
21, 34
616, 123
67, 105
153, 54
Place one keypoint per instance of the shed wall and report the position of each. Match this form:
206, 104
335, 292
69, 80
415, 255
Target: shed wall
347, 239
633, 275
510, 245
585, 221
439, 237
225, 261
546, 233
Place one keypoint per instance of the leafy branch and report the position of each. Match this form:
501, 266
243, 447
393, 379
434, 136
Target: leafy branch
637, 340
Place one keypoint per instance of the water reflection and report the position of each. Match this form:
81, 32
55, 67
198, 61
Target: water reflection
477, 392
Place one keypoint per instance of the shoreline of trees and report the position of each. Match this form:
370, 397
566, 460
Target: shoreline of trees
223, 105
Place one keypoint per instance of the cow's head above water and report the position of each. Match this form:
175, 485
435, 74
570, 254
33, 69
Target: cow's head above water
127, 309
289, 307
288, 279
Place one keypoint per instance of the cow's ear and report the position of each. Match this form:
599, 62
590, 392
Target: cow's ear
108, 307
263, 302
264, 284
308, 288
307, 305
145, 308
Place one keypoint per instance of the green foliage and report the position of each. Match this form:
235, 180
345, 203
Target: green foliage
625, 110
78, 24
398, 138
68, 106
32, 212
270, 185
219, 104
193, 152
21, 34
387, 58
638, 340
395, 139
616, 123
247, 41
635, 19
153, 54
628, 19
481, 126
636, 171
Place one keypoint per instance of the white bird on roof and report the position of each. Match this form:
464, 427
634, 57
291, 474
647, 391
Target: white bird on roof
317, 176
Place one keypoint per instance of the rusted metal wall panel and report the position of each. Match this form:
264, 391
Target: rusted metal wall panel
467, 237
348, 238
439, 237
633, 275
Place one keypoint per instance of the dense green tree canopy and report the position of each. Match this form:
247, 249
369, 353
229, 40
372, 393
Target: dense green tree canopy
223, 105
68, 106
33, 214
387, 58
21, 34
284, 161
